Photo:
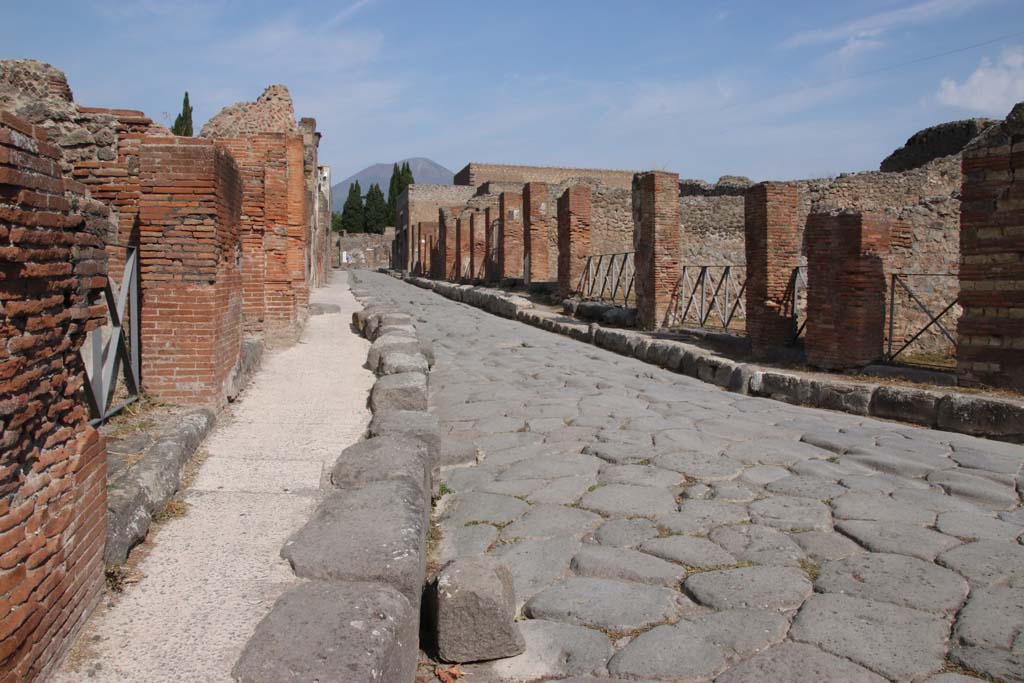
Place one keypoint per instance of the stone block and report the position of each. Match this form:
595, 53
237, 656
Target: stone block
905, 404
390, 342
401, 391
383, 458
395, 362
981, 416
418, 424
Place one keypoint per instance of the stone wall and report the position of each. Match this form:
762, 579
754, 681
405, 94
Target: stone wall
363, 250
945, 139
52, 463
611, 220
475, 174
272, 112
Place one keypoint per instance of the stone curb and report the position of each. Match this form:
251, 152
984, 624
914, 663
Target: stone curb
147, 487
365, 548
987, 417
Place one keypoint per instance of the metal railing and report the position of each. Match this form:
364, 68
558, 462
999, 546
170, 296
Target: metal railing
113, 354
791, 301
708, 291
901, 280
608, 277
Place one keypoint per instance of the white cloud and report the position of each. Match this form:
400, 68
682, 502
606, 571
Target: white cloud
858, 45
285, 46
993, 88
346, 12
876, 24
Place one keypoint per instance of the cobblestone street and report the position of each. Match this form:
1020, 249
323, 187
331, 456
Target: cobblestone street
658, 528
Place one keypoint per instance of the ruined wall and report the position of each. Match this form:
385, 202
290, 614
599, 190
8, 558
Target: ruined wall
945, 139
364, 250
52, 463
475, 174
317, 228
711, 221
272, 112
611, 220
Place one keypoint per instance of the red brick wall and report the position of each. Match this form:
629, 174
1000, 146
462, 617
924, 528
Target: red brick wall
476, 174
846, 287
657, 258
574, 224
990, 349
448, 244
536, 227
463, 248
773, 237
510, 250
428, 249
191, 269
478, 244
52, 463
492, 232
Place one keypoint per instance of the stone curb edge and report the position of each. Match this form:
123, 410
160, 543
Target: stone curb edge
980, 416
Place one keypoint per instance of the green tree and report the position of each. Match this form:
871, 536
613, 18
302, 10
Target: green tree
352, 218
183, 124
407, 178
393, 192
336, 221
376, 210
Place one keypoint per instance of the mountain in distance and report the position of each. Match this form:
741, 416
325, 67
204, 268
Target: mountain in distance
423, 171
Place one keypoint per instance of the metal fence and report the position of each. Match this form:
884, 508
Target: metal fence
608, 277
913, 321
111, 355
710, 296
794, 301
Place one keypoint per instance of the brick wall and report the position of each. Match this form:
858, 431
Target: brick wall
510, 249
846, 287
363, 250
463, 249
773, 242
574, 226
991, 340
189, 221
448, 242
52, 463
656, 242
478, 244
428, 250
476, 174
537, 215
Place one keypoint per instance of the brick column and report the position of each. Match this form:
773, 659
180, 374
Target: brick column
846, 288
478, 245
536, 226
428, 248
493, 238
773, 241
463, 248
449, 244
656, 241
189, 215
574, 223
510, 248
417, 248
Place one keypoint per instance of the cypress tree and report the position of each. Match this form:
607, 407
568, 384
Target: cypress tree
393, 192
352, 218
183, 123
407, 178
376, 211
336, 221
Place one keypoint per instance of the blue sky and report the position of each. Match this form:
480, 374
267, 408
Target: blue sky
771, 90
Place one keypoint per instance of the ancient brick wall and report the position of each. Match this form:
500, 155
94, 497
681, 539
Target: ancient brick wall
991, 341
537, 228
189, 223
478, 244
364, 250
492, 233
428, 246
475, 174
574, 233
448, 242
272, 112
318, 224
656, 243
510, 248
772, 251
846, 287
52, 463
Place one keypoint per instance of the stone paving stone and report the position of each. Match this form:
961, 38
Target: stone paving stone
548, 467
901, 580
485, 508
901, 464
821, 546
1008, 463
776, 588
498, 442
701, 516
880, 508
972, 526
606, 604
934, 500
640, 475
459, 541
784, 452
758, 544
536, 563
987, 563
620, 454
953, 678
742, 632
676, 653
563, 491
690, 440
791, 514
897, 642
545, 521
734, 493
691, 551
626, 533
623, 500
627, 436
989, 633
552, 650
701, 466
798, 662
880, 483
803, 486
828, 469
894, 537
759, 475
605, 562
545, 424
979, 490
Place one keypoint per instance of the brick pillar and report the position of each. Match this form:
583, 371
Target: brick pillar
574, 223
493, 238
990, 348
428, 246
656, 241
53, 494
189, 214
449, 244
536, 226
478, 244
463, 248
846, 288
417, 251
773, 241
510, 248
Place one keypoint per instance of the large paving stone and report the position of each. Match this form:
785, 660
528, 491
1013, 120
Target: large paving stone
619, 453
691, 551
545, 521
606, 604
791, 514
821, 546
880, 508
782, 452
403, 391
760, 475
742, 632
390, 343
900, 463
624, 500
552, 650
384, 458
385, 520
972, 526
880, 483
894, 537
414, 423
758, 544
677, 653
701, 516
475, 611
626, 565
989, 633
802, 486
553, 466
934, 500
702, 466
484, 508
394, 362
981, 458
898, 642
980, 490
987, 563
562, 491
797, 662
775, 588
536, 563
901, 580
626, 533
639, 475
333, 632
